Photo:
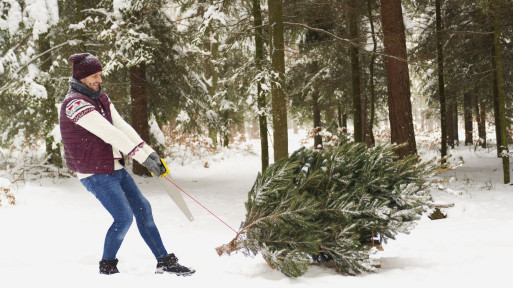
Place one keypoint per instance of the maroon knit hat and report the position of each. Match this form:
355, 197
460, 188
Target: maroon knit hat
84, 65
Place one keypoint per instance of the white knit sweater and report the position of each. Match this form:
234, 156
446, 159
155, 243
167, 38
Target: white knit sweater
119, 134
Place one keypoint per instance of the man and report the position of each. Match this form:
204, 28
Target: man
95, 137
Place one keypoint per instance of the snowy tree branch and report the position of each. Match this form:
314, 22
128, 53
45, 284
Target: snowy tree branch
69, 42
344, 40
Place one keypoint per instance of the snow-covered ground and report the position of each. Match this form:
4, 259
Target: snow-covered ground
53, 236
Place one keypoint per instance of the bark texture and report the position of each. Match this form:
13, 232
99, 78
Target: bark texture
139, 109
398, 78
279, 99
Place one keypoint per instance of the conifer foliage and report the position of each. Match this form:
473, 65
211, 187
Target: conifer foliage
330, 204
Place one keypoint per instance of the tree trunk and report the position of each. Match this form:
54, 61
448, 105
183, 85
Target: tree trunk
480, 118
441, 84
450, 122
316, 121
503, 148
339, 113
242, 129
455, 122
259, 56
496, 109
398, 79
371, 76
295, 129
279, 99
495, 93
329, 114
482, 123
355, 74
225, 131
255, 126
139, 109
477, 112
467, 112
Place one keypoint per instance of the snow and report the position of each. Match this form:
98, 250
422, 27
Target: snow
40, 15
53, 236
5, 183
14, 18
36, 90
119, 5
56, 134
156, 132
183, 117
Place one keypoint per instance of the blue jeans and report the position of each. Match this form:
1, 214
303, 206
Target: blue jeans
119, 194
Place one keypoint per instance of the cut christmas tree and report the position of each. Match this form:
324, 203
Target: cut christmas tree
331, 205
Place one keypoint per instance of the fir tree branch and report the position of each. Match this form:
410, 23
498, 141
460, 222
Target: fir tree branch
344, 40
69, 42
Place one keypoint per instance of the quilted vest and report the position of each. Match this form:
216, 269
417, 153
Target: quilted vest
85, 152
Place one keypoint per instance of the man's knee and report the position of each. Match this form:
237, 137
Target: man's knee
124, 219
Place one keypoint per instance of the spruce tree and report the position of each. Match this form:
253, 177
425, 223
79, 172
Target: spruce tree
331, 204
26, 93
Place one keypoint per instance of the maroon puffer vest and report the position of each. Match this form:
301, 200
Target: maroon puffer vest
85, 152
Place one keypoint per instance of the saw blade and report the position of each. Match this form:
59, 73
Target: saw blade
175, 194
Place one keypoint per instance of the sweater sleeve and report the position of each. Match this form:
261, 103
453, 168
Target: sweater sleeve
129, 131
87, 117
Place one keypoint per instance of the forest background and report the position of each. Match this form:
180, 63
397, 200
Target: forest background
205, 74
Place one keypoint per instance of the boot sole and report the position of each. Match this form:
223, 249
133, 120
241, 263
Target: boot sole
161, 271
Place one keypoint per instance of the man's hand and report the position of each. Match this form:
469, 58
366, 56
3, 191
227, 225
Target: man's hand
157, 159
155, 156
153, 166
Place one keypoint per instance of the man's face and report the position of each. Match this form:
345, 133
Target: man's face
93, 81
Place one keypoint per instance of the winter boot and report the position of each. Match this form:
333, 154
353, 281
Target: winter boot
108, 267
170, 264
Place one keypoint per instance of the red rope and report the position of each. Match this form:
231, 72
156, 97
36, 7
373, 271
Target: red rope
201, 205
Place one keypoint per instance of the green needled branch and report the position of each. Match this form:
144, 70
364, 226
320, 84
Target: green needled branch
331, 204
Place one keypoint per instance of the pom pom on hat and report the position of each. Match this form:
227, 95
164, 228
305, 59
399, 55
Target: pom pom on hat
84, 65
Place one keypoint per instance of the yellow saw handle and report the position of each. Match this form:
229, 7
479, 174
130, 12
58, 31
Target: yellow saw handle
165, 166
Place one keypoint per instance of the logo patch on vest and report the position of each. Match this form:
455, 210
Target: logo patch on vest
77, 108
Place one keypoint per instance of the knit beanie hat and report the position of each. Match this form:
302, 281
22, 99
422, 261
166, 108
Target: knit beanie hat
84, 65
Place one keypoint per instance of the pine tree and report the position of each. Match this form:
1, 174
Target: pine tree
441, 83
144, 65
503, 145
354, 52
133, 30
261, 102
320, 68
398, 77
26, 92
279, 97
35, 72
219, 67
468, 56
331, 204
